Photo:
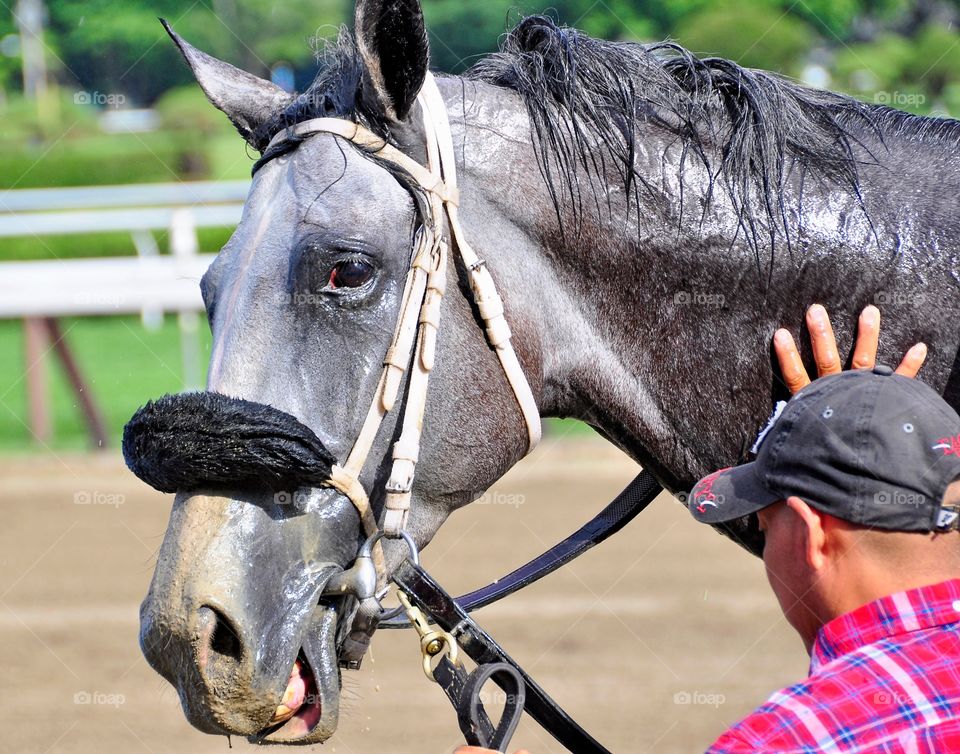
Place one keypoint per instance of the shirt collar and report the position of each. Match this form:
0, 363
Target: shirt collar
900, 613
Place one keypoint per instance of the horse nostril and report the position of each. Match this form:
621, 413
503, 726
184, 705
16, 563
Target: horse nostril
220, 635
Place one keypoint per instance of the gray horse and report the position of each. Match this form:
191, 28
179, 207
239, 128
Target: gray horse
649, 217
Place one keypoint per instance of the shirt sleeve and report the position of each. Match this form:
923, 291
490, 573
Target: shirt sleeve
731, 742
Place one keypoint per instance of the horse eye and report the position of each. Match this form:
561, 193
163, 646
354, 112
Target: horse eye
350, 274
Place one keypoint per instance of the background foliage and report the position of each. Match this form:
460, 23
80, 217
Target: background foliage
118, 46
904, 53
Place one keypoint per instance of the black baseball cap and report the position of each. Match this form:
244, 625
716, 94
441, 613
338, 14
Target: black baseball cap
867, 446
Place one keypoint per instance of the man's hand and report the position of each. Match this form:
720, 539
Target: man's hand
825, 349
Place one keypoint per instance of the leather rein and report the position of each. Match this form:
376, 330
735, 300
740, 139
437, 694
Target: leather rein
413, 348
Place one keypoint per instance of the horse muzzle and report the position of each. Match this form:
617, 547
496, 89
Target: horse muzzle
234, 617
235, 620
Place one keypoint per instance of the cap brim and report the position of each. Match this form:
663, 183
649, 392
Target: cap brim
729, 494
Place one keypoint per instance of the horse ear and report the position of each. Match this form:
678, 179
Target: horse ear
247, 100
392, 40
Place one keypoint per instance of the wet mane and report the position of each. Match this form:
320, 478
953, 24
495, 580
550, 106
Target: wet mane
589, 101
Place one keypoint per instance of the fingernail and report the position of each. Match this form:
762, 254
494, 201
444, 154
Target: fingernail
920, 350
816, 313
782, 337
869, 315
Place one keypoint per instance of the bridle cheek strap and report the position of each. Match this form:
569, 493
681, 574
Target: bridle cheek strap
413, 345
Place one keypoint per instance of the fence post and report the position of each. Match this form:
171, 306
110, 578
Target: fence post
34, 342
146, 246
91, 414
184, 245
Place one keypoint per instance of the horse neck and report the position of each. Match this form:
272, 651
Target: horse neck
680, 388
573, 294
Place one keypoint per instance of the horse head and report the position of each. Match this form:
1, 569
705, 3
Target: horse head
303, 303
672, 212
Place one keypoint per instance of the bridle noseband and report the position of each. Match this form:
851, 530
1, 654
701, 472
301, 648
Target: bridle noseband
413, 345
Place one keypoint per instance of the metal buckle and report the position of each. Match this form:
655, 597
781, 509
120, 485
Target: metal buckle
360, 579
433, 641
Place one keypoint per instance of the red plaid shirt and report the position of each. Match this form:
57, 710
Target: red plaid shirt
883, 678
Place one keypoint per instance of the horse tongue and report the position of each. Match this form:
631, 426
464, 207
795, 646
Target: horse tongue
294, 694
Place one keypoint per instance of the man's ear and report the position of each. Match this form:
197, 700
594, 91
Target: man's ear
812, 519
392, 40
248, 101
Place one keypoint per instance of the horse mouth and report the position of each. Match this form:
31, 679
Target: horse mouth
308, 708
300, 708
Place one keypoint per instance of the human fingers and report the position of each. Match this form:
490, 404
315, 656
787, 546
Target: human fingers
868, 338
791, 365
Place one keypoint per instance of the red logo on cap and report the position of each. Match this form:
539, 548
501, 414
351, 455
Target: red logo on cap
703, 494
949, 445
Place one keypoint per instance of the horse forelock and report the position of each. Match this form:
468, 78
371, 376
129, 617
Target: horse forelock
334, 92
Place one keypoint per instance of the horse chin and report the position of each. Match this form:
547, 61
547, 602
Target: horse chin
315, 717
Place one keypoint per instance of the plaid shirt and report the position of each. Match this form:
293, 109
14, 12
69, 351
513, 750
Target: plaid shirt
883, 678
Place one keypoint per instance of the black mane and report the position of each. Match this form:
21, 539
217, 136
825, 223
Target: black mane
588, 100
742, 125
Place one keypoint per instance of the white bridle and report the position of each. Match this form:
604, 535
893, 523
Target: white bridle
415, 334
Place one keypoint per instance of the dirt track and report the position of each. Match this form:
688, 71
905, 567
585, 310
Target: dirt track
654, 641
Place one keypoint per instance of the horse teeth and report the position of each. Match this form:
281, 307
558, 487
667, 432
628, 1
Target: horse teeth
282, 714
293, 695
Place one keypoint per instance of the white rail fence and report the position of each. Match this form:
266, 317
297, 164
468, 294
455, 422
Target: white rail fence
151, 283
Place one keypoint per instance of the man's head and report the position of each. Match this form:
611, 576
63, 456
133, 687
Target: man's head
854, 488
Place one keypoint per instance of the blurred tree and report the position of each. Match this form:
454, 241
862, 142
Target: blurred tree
120, 48
764, 37
832, 16
118, 45
935, 62
911, 74
618, 19
258, 33
461, 32
869, 67
9, 54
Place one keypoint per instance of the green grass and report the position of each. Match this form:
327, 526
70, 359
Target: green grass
123, 365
